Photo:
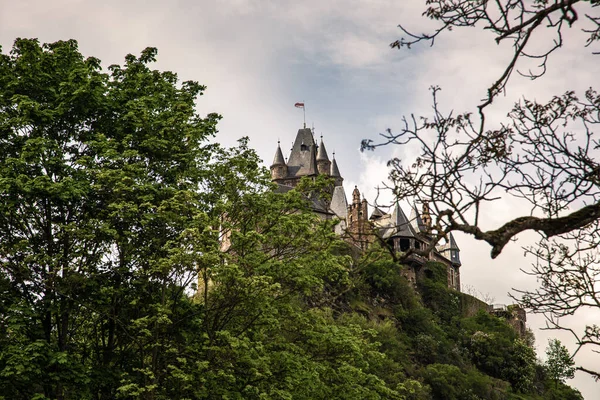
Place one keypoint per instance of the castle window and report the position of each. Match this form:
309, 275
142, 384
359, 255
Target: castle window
404, 244
303, 147
390, 243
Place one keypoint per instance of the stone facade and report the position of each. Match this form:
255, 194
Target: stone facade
307, 159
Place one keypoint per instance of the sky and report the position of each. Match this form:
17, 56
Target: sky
259, 57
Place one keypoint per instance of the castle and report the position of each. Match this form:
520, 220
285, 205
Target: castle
307, 159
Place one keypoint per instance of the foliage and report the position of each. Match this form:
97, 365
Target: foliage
544, 153
140, 261
559, 363
449, 382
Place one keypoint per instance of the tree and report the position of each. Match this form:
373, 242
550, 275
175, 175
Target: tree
545, 153
559, 363
113, 203
99, 175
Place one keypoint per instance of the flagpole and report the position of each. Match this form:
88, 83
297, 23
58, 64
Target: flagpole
304, 110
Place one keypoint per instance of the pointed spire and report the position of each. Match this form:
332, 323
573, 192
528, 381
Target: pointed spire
278, 159
401, 224
376, 214
452, 243
450, 250
322, 153
355, 195
335, 171
416, 221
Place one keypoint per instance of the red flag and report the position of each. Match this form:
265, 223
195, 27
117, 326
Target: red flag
299, 105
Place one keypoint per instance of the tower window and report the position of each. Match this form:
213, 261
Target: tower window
303, 147
404, 244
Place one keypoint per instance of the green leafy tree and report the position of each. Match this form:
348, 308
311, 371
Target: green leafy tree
114, 205
559, 363
140, 261
98, 178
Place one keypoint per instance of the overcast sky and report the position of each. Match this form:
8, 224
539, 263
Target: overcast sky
257, 58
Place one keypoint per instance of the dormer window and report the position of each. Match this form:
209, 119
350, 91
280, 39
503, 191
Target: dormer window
303, 147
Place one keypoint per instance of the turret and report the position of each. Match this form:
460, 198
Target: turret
279, 167
335, 173
359, 227
323, 163
450, 250
355, 195
426, 217
363, 208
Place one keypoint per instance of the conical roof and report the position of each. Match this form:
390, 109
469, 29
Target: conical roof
322, 152
416, 221
450, 250
335, 171
377, 213
278, 159
401, 224
452, 243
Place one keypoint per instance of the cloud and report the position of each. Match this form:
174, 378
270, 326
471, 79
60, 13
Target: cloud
258, 57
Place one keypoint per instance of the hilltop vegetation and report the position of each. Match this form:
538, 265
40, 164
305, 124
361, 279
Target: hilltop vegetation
114, 282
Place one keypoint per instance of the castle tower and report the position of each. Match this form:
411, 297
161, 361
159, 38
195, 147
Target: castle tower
358, 221
451, 252
323, 163
279, 168
335, 173
302, 161
426, 217
355, 196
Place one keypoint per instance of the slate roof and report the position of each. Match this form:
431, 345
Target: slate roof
339, 203
302, 161
416, 221
278, 159
398, 225
377, 213
322, 152
450, 250
335, 171
452, 242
